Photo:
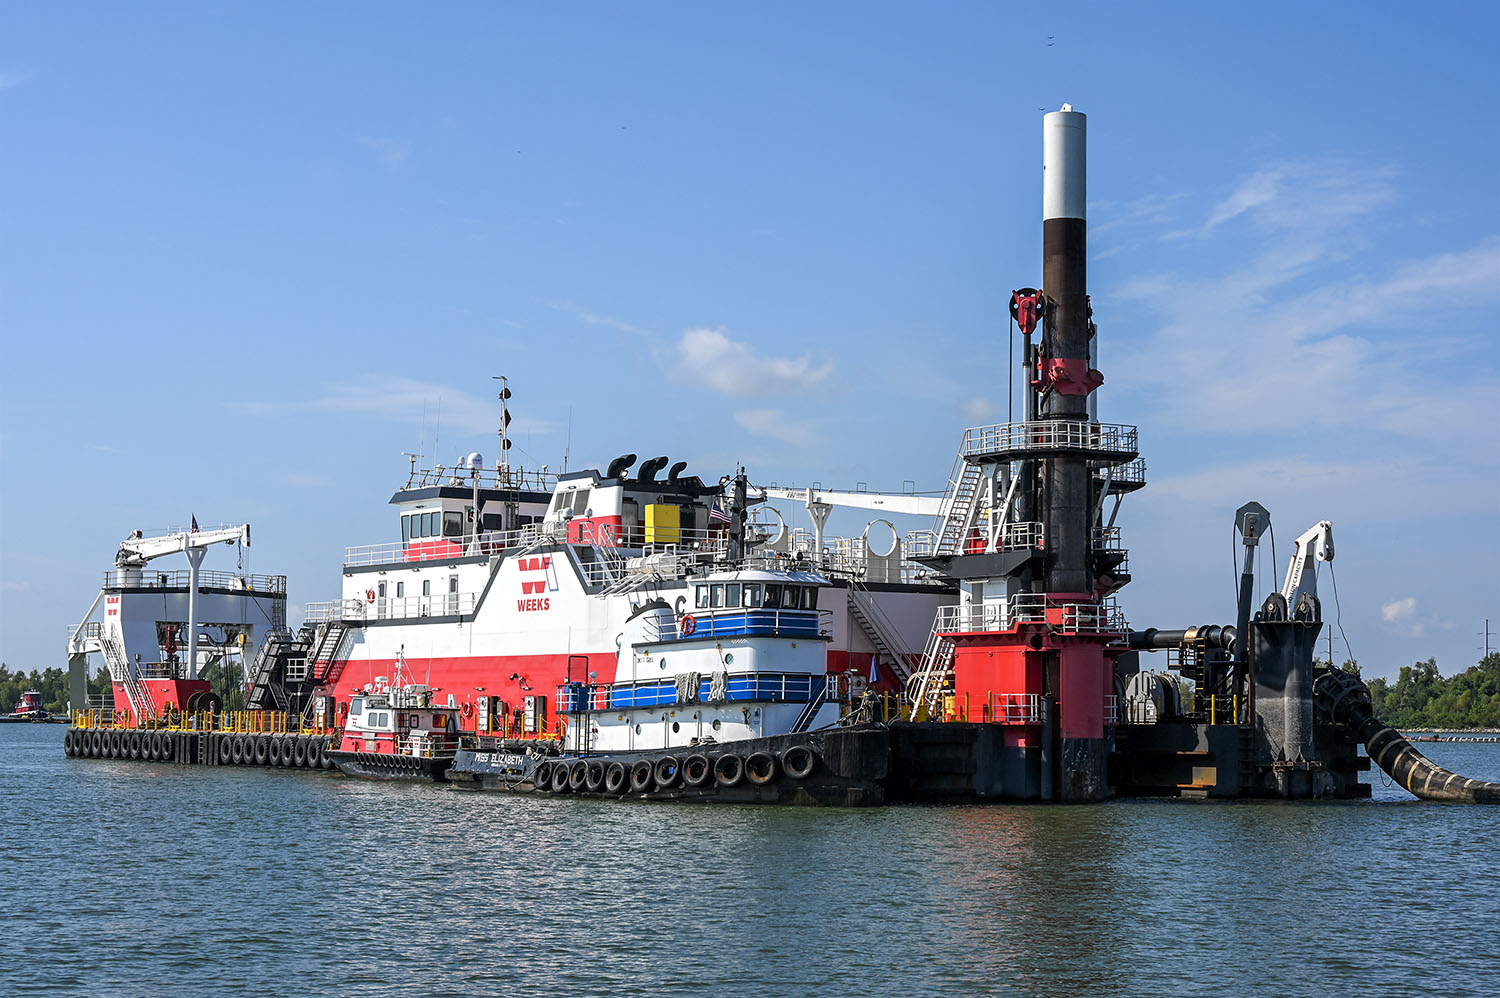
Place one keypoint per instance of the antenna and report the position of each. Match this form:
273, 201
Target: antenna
437, 432
503, 467
568, 447
411, 474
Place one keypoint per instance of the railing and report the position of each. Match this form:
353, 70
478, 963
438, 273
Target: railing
1108, 539
1129, 473
391, 608
584, 533
997, 708
747, 622
1049, 435
1065, 617
140, 578
769, 687
234, 721
81, 634
511, 478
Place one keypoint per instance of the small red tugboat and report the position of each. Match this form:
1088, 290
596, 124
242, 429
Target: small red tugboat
398, 735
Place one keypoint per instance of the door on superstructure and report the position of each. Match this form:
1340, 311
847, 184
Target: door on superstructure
452, 595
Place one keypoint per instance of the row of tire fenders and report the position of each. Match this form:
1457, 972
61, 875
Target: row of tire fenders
227, 748
695, 772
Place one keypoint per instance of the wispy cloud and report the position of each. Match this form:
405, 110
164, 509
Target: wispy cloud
774, 424
390, 150
593, 318
1405, 617
104, 448
709, 357
13, 79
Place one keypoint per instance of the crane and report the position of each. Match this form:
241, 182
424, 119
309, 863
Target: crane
820, 503
136, 550
1316, 544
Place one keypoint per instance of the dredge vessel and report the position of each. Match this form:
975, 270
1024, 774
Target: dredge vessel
616, 633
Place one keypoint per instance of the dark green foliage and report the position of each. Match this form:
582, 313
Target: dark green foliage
1421, 698
51, 683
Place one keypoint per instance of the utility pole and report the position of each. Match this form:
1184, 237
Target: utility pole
1487, 635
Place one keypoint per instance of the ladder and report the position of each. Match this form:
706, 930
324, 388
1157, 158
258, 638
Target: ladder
279, 646
937, 662
119, 667
958, 509
880, 630
805, 719
323, 656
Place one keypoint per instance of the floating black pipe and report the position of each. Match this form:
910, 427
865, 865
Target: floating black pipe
1347, 700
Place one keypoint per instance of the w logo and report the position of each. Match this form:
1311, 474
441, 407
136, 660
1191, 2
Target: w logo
540, 564
533, 587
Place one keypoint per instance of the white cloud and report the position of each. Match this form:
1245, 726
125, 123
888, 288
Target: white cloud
710, 357
775, 424
977, 409
596, 318
1398, 610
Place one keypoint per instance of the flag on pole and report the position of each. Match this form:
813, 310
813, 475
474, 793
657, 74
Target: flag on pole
874, 669
717, 513
194, 529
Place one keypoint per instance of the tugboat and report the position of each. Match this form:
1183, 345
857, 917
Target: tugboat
397, 734
30, 710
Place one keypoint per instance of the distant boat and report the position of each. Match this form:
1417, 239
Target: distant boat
30, 710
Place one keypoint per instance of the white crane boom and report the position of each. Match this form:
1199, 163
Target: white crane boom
1313, 546
136, 550
903, 503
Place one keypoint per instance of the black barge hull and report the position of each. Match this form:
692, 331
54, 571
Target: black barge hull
377, 766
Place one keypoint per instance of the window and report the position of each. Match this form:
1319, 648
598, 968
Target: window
810, 598
773, 596
581, 502
426, 587
405, 529
752, 594
380, 590
732, 594
716, 595
400, 589
453, 583
453, 524
700, 599
790, 596
429, 525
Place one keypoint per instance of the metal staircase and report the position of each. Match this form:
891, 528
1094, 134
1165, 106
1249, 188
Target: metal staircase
323, 655
937, 663
265, 691
958, 511
880, 630
805, 719
119, 668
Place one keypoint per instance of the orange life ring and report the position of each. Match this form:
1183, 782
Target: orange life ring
688, 625
370, 595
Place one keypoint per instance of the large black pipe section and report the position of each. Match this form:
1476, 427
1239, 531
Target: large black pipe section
1211, 635
1068, 485
1347, 700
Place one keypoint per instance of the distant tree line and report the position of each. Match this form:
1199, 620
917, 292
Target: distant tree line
1421, 698
52, 684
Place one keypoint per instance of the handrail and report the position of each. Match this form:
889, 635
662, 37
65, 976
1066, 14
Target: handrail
1050, 435
1065, 616
140, 578
231, 722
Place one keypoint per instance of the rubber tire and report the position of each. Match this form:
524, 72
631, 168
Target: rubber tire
134, 744
260, 749
160, 747
729, 770
299, 753
593, 777
578, 775
541, 776
223, 749
696, 771
560, 779
117, 745
667, 772
616, 778
642, 776
799, 762
68, 743
324, 759
765, 762
237, 746
96, 744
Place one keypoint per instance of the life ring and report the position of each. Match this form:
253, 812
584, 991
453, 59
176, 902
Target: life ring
688, 625
468, 710
370, 595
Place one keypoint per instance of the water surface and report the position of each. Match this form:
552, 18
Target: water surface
138, 878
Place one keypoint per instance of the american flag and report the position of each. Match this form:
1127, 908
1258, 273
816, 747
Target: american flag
194, 528
717, 513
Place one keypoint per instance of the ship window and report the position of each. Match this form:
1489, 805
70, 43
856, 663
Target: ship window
773, 596
729, 658
637, 729
580, 502
718, 724
400, 589
789, 597
716, 595
752, 595
732, 594
700, 599
405, 529
426, 587
676, 727
430, 526
380, 590
453, 524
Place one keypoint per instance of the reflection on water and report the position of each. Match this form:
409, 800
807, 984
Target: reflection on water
147, 878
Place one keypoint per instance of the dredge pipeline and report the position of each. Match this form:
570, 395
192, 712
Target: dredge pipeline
1347, 700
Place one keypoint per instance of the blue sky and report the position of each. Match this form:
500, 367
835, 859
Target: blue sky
243, 246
